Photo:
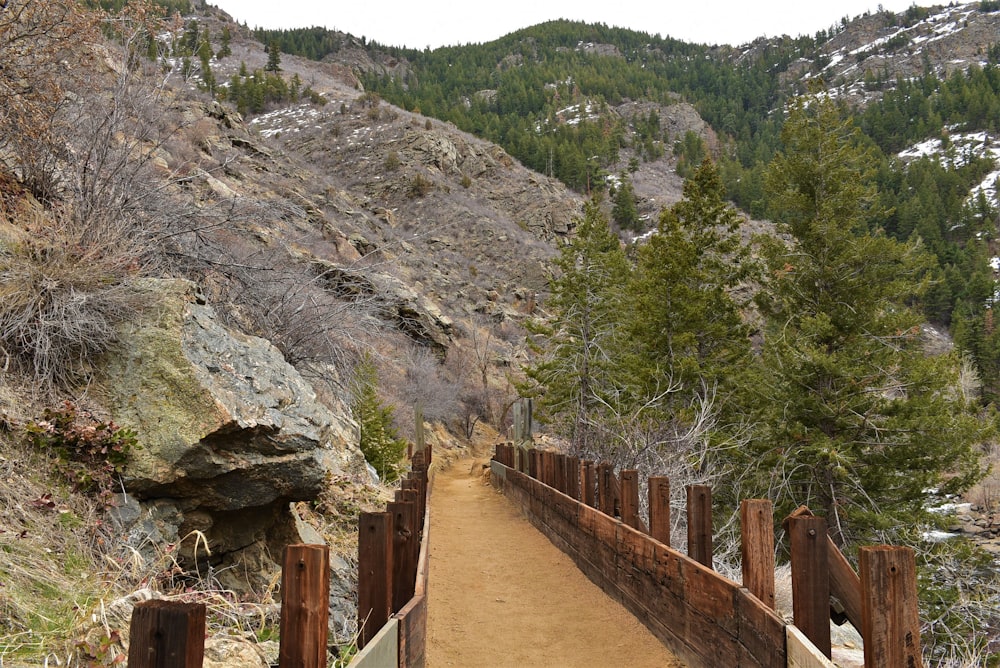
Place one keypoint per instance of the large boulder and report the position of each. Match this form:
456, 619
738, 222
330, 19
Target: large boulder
229, 433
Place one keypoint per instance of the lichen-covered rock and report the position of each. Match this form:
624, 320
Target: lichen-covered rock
229, 432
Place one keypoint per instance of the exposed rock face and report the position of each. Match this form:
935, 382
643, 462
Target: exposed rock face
230, 433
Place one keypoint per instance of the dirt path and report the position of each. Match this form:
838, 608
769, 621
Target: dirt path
500, 594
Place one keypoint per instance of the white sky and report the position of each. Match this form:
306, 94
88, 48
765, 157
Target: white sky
433, 23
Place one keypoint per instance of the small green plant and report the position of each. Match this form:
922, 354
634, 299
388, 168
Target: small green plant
466, 181
392, 161
419, 186
104, 652
91, 454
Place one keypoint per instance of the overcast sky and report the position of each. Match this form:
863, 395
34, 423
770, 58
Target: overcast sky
433, 23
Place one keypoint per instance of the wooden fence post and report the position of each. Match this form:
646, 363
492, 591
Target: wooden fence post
374, 574
167, 634
699, 516
573, 482
891, 619
305, 606
845, 585
605, 502
630, 500
559, 481
589, 483
811, 580
405, 551
659, 509
757, 546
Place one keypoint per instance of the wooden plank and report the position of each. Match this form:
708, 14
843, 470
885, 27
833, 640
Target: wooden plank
757, 548
382, 650
305, 606
374, 574
413, 633
801, 652
811, 580
890, 614
167, 634
699, 516
760, 631
711, 595
669, 572
659, 509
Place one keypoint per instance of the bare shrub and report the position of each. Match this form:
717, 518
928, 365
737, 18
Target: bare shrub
61, 297
427, 383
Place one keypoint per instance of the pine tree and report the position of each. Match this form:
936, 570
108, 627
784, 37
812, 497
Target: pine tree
225, 49
686, 338
624, 212
854, 417
576, 350
273, 57
379, 440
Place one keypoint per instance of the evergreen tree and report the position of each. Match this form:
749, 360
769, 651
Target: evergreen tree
225, 49
684, 321
273, 57
686, 339
854, 417
624, 212
576, 351
379, 441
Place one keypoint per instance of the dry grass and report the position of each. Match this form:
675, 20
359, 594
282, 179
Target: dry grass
50, 574
68, 584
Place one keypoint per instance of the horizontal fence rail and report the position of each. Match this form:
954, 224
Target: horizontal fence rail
591, 514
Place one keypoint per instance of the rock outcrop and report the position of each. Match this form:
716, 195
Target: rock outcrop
230, 434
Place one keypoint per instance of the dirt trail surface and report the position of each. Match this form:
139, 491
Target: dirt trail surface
500, 594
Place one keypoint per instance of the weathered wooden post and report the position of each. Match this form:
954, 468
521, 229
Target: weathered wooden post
605, 502
559, 481
573, 483
811, 579
305, 606
630, 499
699, 516
659, 509
374, 574
589, 484
405, 550
167, 634
757, 546
890, 616
845, 585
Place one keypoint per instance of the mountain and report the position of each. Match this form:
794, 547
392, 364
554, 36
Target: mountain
309, 198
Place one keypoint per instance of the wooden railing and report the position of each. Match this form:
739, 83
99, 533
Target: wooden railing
392, 576
704, 618
392, 602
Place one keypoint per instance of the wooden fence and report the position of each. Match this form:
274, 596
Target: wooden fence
592, 514
392, 600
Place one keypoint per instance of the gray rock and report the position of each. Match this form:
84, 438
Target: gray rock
229, 433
